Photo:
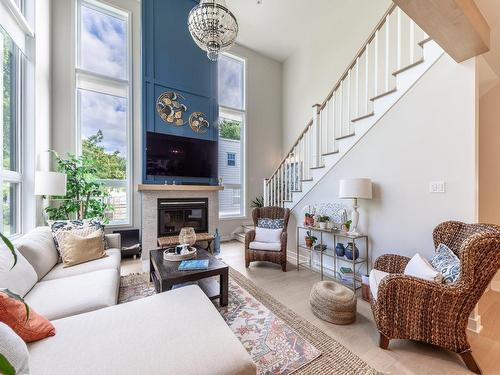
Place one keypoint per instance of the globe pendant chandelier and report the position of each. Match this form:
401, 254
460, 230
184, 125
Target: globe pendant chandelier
213, 27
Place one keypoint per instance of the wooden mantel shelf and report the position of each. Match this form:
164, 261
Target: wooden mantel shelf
162, 187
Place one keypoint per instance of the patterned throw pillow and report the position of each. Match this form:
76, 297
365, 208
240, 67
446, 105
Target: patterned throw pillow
271, 223
84, 227
446, 262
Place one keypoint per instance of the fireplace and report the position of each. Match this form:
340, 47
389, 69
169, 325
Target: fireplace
176, 213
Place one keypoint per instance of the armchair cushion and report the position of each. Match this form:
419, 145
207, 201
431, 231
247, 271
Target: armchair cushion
376, 277
266, 246
420, 267
267, 235
446, 262
270, 223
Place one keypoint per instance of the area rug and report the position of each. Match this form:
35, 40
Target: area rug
277, 339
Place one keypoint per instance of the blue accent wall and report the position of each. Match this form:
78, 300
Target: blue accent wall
171, 61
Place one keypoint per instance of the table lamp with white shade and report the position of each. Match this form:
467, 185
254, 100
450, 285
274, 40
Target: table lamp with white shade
50, 183
355, 188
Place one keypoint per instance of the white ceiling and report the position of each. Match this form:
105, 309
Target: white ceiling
491, 11
276, 27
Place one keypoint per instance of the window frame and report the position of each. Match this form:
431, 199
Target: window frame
16, 176
238, 114
231, 158
108, 85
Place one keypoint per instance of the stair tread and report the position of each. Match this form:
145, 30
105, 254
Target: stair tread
407, 67
391, 91
362, 117
331, 153
318, 167
345, 136
307, 179
426, 40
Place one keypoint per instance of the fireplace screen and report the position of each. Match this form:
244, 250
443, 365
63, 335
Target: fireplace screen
176, 213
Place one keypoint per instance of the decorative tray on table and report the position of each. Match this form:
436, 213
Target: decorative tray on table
174, 257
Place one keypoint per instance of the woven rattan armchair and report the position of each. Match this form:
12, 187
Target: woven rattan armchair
410, 308
278, 257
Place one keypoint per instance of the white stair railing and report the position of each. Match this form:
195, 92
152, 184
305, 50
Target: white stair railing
395, 45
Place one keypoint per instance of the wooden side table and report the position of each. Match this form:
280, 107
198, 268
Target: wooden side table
170, 241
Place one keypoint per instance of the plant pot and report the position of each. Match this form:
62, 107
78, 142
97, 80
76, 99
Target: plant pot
309, 242
351, 251
344, 228
322, 225
308, 221
340, 250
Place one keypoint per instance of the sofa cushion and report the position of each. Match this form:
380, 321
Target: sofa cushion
73, 295
19, 279
265, 246
138, 338
110, 262
13, 312
375, 278
14, 349
38, 247
270, 223
84, 227
77, 249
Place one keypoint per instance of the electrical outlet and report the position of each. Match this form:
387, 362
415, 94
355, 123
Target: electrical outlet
437, 187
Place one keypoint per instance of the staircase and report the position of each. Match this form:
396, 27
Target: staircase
390, 62
240, 236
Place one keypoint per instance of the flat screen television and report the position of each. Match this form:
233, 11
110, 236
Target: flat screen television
173, 156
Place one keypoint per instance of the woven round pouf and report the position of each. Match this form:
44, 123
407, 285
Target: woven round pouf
333, 302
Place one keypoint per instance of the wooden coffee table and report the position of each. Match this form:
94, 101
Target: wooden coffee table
165, 274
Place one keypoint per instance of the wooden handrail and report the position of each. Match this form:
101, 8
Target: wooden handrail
337, 84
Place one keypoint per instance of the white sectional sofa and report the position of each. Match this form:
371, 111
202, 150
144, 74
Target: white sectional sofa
177, 332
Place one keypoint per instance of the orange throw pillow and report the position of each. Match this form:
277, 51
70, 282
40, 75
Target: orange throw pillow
13, 313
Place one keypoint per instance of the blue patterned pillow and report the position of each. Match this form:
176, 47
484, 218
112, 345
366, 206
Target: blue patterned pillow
66, 225
446, 262
271, 223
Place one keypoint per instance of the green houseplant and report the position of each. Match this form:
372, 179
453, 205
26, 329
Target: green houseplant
85, 195
310, 239
322, 220
258, 202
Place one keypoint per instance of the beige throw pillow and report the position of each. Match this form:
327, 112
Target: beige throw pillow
76, 249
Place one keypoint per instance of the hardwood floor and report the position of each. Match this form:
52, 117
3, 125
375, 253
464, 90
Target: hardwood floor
403, 357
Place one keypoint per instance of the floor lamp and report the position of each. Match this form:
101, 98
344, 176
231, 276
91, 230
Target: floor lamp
50, 184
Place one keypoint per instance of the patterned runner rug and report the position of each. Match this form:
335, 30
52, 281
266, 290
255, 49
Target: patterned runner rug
277, 339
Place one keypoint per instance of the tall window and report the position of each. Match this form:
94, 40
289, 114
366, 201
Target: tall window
231, 135
103, 99
11, 76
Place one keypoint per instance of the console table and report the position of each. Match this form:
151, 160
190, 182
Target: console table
329, 253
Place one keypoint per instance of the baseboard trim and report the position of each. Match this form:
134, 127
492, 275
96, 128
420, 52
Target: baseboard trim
474, 324
495, 285
227, 238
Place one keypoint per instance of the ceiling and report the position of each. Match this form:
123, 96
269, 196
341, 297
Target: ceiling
276, 27
491, 11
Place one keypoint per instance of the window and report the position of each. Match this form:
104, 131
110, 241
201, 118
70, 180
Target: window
231, 135
231, 159
11, 79
103, 100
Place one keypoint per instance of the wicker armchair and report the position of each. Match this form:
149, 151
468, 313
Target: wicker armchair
410, 308
278, 257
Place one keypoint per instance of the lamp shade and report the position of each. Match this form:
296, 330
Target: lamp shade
50, 183
359, 188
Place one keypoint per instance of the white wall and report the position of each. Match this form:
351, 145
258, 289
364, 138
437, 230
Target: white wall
263, 125
311, 71
63, 85
43, 92
429, 135
489, 161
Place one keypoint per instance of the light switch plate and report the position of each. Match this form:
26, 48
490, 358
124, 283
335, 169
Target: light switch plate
437, 187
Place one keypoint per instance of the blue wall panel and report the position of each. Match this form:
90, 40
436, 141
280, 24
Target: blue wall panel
173, 62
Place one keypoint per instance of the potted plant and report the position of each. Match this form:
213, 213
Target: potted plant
346, 226
310, 239
308, 219
258, 202
323, 221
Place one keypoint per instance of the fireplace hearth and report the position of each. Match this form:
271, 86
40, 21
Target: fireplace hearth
177, 213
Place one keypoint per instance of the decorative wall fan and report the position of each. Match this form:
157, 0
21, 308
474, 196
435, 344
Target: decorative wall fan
170, 108
198, 122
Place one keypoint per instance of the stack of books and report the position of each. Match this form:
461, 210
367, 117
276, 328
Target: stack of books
346, 275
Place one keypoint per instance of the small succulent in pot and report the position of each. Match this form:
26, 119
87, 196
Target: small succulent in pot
323, 221
308, 219
310, 239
